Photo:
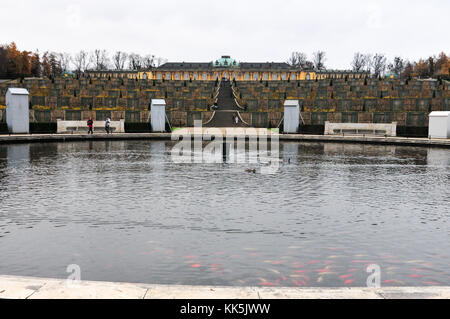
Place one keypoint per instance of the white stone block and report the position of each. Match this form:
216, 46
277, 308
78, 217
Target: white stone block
158, 115
380, 129
81, 126
17, 112
291, 116
439, 125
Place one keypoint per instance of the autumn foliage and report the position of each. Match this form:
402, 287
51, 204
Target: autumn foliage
16, 64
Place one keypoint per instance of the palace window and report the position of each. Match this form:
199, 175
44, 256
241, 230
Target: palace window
255, 77
274, 77
283, 76
216, 76
195, 76
158, 76
247, 77
168, 76
308, 77
177, 76
293, 77
145, 76
265, 76
186, 76
205, 76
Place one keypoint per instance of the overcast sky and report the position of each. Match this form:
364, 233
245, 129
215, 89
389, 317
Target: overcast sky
252, 31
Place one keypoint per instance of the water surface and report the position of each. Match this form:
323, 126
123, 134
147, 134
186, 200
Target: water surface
123, 211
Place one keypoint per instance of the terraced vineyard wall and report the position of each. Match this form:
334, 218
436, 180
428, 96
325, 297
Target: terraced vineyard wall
357, 100
128, 99
341, 101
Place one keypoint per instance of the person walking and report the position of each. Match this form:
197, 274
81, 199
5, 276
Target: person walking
108, 125
90, 124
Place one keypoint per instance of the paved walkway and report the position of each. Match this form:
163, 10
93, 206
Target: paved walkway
20, 138
13, 287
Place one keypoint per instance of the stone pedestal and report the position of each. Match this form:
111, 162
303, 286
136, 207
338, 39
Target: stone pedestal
158, 115
291, 116
17, 112
439, 125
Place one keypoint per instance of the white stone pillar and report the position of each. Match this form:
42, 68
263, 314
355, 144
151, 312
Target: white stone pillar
291, 116
158, 115
17, 112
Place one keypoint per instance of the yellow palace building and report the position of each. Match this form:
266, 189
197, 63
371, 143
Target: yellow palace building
228, 68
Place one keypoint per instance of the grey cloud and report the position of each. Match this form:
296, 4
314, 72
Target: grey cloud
201, 30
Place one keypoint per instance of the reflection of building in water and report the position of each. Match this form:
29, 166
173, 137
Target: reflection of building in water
157, 155
77, 147
290, 152
357, 149
438, 157
18, 155
18, 163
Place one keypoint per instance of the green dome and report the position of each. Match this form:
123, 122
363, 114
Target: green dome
225, 62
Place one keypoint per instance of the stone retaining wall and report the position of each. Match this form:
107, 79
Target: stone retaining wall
339, 100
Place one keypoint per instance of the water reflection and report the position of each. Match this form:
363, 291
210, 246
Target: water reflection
124, 211
438, 157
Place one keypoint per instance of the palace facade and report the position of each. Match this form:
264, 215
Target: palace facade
228, 68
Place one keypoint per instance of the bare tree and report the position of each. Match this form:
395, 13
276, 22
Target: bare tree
319, 60
100, 59
397, 66
135, 61
148, 61
80, 60
119, 60
298, 60
64, 60
293, 59
369, 62
359, 62
378, 64
160, 61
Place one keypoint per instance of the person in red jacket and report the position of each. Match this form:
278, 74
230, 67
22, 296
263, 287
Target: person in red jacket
90, 123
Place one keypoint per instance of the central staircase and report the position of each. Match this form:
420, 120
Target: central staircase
223, 116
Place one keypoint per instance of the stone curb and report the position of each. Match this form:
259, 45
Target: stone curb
16, 287
10, 139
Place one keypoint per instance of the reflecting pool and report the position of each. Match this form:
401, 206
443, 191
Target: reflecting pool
124, 211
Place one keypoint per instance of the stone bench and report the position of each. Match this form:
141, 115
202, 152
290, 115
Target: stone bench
377, 129
81, 126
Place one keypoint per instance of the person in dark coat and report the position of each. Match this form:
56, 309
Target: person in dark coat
90, 124
108, 125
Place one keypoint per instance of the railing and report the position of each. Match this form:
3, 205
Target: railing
236, 99
301, 117
240, 117
168, 122
209, 121
216, 97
